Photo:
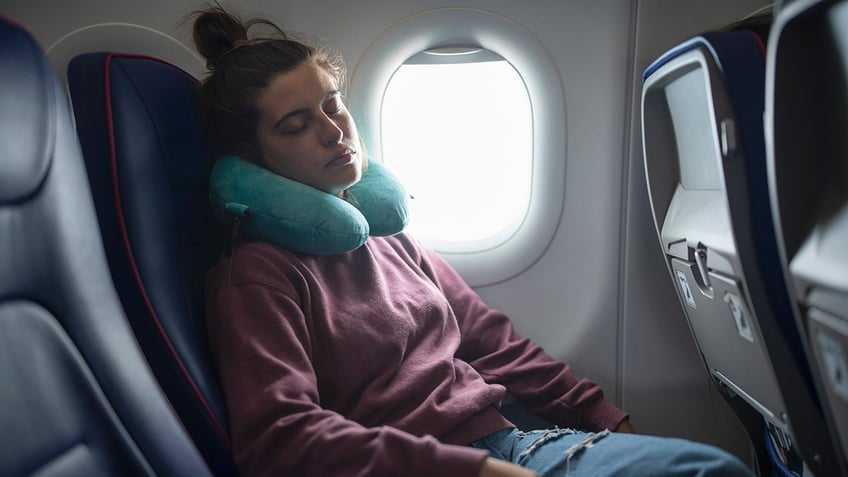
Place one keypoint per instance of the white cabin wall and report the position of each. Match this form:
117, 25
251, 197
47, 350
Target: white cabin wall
567, 301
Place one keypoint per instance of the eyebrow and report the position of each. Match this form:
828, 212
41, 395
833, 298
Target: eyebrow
301, 111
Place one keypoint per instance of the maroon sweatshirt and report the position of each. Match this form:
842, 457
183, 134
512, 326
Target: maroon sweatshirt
378, 362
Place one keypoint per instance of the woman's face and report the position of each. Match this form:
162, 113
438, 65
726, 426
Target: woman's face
306, 133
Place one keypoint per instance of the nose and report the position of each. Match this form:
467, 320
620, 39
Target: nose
331, 132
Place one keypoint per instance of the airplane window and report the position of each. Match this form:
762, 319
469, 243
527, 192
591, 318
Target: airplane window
468, 108
457, 129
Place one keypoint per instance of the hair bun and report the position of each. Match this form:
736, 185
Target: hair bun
217, 32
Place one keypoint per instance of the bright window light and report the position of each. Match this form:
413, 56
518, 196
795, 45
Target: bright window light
457, 130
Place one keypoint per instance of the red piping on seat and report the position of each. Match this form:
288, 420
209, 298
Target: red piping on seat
128, 246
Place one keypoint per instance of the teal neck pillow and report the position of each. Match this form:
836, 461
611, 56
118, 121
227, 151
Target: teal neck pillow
266, 206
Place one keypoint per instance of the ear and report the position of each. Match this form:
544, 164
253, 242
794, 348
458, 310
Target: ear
302, 218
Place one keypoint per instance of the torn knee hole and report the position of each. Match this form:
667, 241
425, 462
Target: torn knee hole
586, 443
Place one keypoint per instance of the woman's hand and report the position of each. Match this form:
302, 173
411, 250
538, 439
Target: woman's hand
500, 468
625, 427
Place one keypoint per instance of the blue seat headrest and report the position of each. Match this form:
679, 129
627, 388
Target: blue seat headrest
27, 132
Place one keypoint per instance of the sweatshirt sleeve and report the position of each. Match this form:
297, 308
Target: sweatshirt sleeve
490, 344
261, 342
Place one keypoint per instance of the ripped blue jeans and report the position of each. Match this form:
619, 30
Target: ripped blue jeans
566, 452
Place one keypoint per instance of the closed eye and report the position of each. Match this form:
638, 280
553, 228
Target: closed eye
299, 120
294, 127
334, 104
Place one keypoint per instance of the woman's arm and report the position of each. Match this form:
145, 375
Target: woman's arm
491, 345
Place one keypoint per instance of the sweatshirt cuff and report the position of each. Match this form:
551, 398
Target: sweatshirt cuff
603, 415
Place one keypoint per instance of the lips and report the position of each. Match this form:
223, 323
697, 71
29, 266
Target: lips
342, 159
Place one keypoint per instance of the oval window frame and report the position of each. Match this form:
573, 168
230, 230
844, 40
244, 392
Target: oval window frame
463, 27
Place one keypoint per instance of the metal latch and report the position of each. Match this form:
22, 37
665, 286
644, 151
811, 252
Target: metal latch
701, 264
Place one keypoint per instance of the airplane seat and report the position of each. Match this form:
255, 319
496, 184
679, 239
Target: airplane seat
78, 397
806, 122
148, 165
704, 158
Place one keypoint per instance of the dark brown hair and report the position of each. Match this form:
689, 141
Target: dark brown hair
241, 67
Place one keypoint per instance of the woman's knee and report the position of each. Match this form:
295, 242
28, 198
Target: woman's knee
636, 455
687, 458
